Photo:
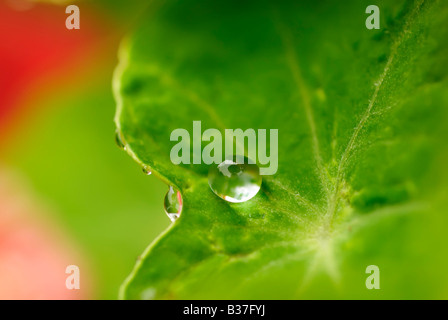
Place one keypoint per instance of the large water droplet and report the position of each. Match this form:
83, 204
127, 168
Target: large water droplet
119, 140
173, 203
235, 181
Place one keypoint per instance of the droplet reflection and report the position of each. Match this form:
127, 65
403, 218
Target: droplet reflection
173, 203
235, 180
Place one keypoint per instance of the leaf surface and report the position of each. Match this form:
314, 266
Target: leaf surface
361, 116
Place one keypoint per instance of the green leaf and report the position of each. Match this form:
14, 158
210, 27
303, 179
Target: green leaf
361, 116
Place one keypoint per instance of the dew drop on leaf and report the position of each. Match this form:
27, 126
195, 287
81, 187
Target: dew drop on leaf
119, 140
146, 170
235, 181
173, 203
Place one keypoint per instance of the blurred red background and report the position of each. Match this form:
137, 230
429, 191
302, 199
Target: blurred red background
37, 56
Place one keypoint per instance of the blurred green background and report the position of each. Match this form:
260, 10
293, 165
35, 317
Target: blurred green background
109, 207
58, 137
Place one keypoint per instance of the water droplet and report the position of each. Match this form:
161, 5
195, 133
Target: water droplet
146, 170
173, 203
235, 181
119, 140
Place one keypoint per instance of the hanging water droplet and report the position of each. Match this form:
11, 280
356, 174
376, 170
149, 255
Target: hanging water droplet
146, 170
235, 181
173, 203
119, 140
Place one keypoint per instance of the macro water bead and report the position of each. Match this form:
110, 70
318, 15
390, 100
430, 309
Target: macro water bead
119, 140
173, 203
146, 170
235, 181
